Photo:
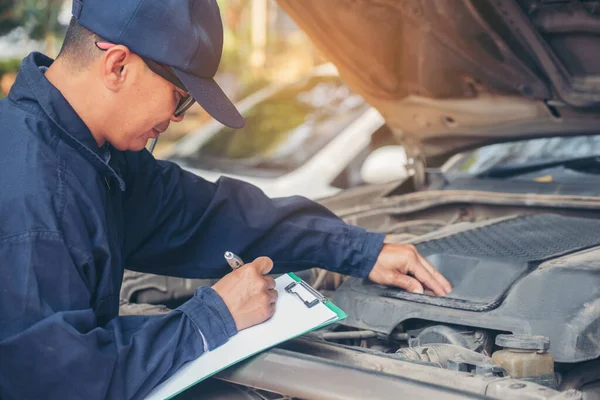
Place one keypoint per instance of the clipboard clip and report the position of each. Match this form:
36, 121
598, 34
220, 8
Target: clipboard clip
318, 297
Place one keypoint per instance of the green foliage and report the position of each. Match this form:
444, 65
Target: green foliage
8, 19
41, 17
10, 65
38, 17
7, 66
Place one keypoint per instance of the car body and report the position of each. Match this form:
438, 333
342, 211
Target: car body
497, 106
308, 137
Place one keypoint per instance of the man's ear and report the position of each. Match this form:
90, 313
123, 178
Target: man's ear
115, 67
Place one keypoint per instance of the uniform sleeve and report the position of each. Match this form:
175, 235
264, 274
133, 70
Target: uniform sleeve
52, 347
180, 225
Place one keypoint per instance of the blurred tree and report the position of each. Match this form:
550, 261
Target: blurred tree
39, 18
9, 20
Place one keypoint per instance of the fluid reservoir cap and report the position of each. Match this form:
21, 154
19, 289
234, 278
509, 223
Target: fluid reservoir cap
523, 342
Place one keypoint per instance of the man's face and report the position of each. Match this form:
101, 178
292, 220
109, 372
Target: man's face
145, 104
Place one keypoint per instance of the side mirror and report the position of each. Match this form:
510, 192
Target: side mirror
386, 164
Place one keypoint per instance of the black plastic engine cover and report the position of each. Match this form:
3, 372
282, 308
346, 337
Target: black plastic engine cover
535, 275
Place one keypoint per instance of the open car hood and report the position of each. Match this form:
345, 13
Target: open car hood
448, 75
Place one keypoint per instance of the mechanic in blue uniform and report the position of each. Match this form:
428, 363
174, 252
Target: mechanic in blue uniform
81, 199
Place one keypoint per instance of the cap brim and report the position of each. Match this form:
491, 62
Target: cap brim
212, 98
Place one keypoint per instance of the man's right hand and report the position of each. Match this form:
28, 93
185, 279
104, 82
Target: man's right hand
248, 293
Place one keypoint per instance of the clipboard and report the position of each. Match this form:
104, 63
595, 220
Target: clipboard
300, 309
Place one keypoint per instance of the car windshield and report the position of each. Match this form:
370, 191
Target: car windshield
283, 131
527, 152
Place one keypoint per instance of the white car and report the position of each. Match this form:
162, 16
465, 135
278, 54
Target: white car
312, 137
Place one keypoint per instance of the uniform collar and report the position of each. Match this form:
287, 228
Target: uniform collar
73, 129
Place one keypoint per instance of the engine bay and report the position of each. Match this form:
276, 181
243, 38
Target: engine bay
526, 277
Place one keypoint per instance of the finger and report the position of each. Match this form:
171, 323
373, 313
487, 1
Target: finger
273, 295
263, 264
269, 282
408, 283
425, 277
436, 274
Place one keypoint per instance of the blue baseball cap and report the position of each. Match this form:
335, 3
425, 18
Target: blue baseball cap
186, 35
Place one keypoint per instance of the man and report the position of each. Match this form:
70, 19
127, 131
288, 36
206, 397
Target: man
81, 200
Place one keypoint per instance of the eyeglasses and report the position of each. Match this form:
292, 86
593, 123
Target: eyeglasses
164, 72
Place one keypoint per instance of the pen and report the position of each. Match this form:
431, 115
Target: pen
234, 261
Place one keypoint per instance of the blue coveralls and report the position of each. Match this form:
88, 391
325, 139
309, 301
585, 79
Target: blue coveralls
74, 216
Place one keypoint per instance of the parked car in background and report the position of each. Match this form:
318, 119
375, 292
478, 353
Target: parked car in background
312, 137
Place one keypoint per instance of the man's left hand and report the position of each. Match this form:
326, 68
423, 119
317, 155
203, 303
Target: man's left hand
401, 265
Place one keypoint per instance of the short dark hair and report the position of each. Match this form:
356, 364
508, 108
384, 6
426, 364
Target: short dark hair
78, 47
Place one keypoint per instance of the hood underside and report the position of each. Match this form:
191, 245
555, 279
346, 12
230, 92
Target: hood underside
449, 75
